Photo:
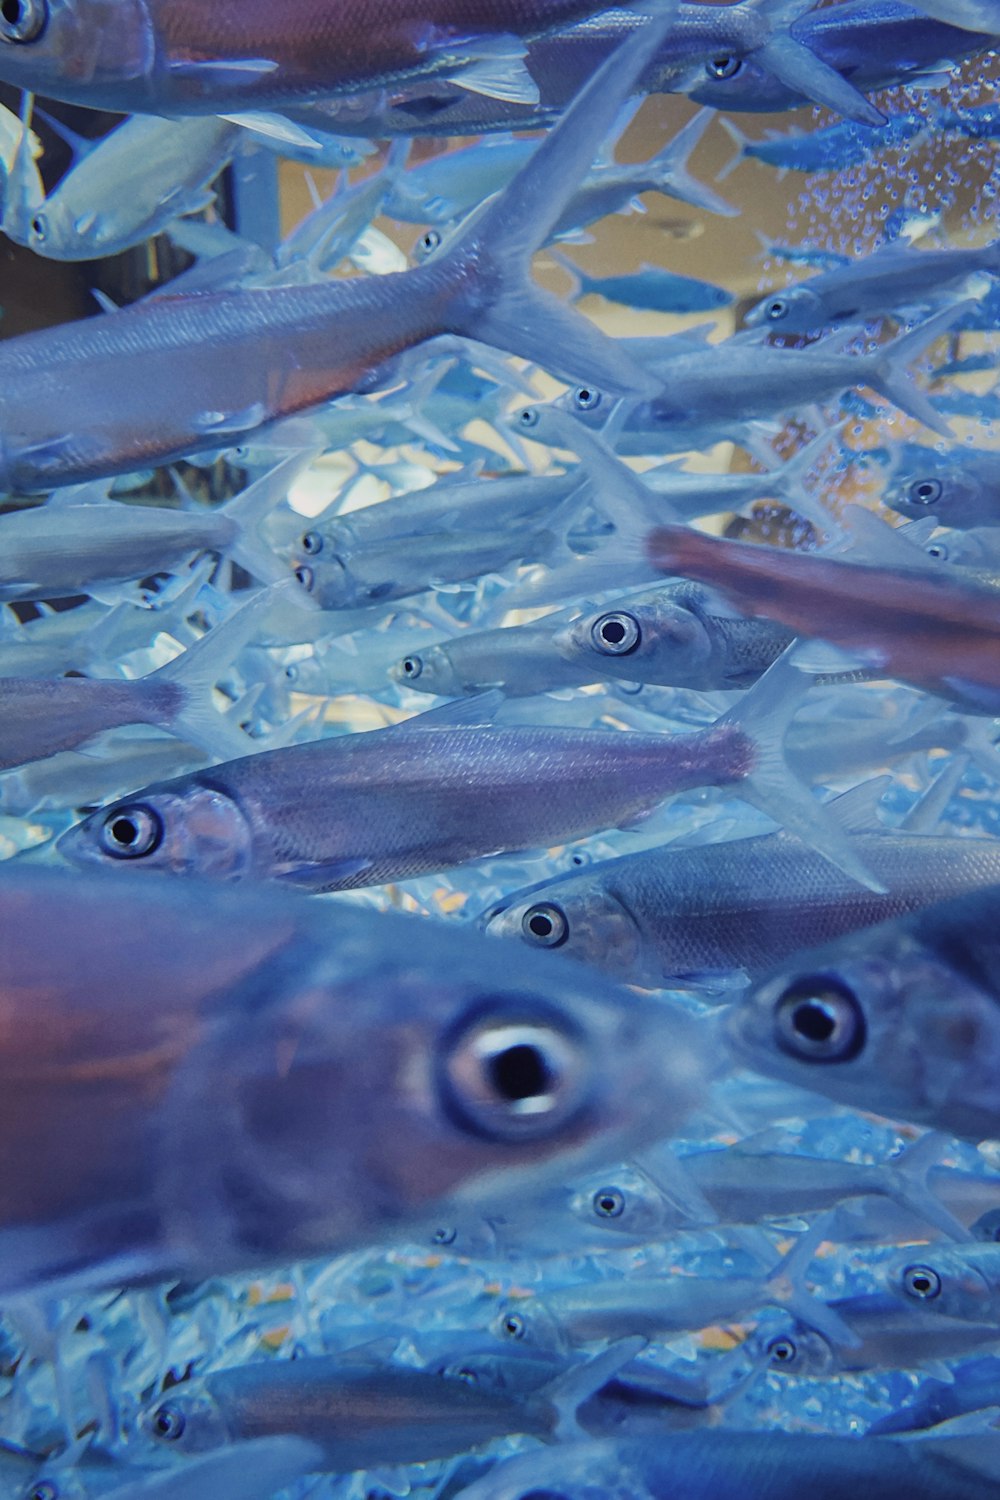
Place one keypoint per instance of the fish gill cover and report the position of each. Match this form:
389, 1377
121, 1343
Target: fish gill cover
499, 686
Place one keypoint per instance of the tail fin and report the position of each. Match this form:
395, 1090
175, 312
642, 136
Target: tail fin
906, 1184
888, 367
252, 505
798, 68
764, 714
567, 1393
199, 669
495, 300
788, 480
786, 1287
740, 140
668, 171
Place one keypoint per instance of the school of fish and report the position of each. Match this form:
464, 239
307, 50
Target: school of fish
500, 753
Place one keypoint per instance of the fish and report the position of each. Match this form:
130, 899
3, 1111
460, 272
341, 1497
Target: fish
894, 276
517, 661
957, 1281
969, 15
975, 1385
723, 1464
254, 1470
900, 1018
958, 488
169, 376
829, 149
651, 289
440, 790
213, 1116
691, 916
937, 631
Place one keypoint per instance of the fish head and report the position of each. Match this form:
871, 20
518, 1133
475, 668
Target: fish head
428, 671
655, 635
796, 309
180, 829
76, 49
321, 571
188, 1419
527, 1323
884, 1019
580, 916
788, 1347
623, 1203
941, 1280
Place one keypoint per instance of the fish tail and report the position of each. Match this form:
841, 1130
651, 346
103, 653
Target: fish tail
740, 140
763, 716
789, 479
252, 506
798, 68
492, 255
568, 1392
198, 670
906, 1184
890, 377
787, 1285
669, 169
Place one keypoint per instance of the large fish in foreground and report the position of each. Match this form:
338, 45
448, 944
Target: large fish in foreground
195, 1079
903, 1018
176, 374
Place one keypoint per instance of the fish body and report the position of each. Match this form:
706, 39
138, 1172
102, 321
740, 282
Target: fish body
895, 276
519, 661
675, 915
653, 289
217, 1115
830, 149
901, 1018
975, 1385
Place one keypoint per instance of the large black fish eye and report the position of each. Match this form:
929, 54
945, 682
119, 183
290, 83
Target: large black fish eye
585, 398
40, 227
312, 543
513, 1070
446, 1235
43, 1489
818, 1019
782, 1351
544, 925
937, 550
132, 831
514, 1326
168, 1422
925, 491
922, 1283
528, 417
776, 309
616, 634
411, 667
727, 65
22, 20
608, 1203
306, 577
430, 241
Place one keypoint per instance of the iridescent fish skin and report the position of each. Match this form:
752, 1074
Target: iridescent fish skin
902, 1018
895, 276
948, 1281
519, 661
216, 1116
173, 375
667, 916
959, 488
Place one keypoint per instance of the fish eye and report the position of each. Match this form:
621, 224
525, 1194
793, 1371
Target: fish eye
44, 1489
306, 577
131, 832
528, 417
921, 1283
608, 1203
781, 1351
430, 241
168, 1422
40, 227
727, 65
22, 20
514, 1326
938, 550
819, 1020
776, 309
513, 1070
411, 667
292, 673
544, 925
616, 634
446, 1235
312, 543
987, 1226
925, 491
585, 398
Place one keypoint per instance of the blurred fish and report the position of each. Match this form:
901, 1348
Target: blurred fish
676, 916
894, 276
651, 289
829, 149
253, 1470
216, 1114
959, 488
975, 1384
902, 1018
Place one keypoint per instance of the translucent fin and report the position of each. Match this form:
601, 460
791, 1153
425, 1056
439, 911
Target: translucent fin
669, 169
275, 128
906, 1184
800, 69
251, 506
926, 814
787, 1288
740, 140
889, 376
499, 72
569, 1391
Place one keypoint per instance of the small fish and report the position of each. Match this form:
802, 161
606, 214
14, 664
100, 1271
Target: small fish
442, 789
901, 1018
214, 1116
651, 289
519, 661
954, 1281
830, 149
959, 488
676, 916
894, 276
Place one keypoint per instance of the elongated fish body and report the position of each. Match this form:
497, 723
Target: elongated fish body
959, 488
218, 1114
666, 915
721, 1464
895, 276
173, 57
937, 632
829, 149
172, 375
976, 1385
904, 1016
890, 1336
45, 554
519, 661
40, 718
948, 1281
368, 808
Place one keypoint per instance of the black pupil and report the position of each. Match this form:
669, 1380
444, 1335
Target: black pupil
584, 398
124, 831
540, 925
921, 1284
613, 631
814, 1022
12, 11
607, 1204
782, 1351
519, 1073
165, 1423
925, 491
408, 665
